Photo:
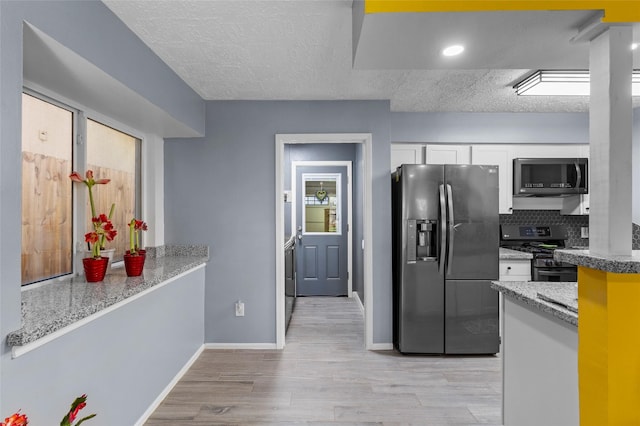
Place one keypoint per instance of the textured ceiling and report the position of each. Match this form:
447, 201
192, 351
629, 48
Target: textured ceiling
302, 50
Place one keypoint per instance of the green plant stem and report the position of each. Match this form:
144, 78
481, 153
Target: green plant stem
93, 208
132, 247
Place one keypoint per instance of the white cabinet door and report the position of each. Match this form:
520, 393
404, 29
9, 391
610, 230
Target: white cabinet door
515, 270
448, 154
499, 155
549, 151
406, 154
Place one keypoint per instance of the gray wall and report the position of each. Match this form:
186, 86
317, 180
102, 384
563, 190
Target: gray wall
101, 358
122, 360
220, 191
235, 164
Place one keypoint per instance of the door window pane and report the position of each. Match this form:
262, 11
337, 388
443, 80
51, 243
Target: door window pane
321, 212
112, 154
47, 141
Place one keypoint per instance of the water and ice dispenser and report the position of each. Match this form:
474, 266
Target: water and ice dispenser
422, 240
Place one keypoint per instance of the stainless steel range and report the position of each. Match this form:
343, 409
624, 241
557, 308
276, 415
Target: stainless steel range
540, 241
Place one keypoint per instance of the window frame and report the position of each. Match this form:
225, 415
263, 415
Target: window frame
79, 197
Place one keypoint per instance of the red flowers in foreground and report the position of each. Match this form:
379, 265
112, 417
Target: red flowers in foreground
16, 419
76, 406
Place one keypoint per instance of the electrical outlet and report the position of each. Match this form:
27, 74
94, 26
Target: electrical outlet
239, 309
584, 232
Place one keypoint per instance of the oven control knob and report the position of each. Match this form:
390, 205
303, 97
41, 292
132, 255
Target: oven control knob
548, 262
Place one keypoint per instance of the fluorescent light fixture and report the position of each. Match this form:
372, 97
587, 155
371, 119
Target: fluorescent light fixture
564, 83
454, 50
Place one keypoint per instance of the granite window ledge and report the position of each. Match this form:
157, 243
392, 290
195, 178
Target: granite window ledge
52, 310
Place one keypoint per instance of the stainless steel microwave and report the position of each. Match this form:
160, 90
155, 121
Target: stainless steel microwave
539, 177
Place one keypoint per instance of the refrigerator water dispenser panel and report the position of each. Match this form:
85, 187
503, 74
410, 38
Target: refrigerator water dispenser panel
422, 243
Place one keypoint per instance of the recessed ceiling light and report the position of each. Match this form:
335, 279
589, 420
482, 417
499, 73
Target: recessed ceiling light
454, 50
634, 46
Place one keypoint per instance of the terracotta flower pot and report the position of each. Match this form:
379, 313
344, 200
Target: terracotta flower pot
134, 264
94, 269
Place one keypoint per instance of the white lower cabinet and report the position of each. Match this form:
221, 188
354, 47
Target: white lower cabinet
515, 270
540, 368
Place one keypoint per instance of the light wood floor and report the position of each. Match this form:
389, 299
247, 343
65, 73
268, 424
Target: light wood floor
325, 376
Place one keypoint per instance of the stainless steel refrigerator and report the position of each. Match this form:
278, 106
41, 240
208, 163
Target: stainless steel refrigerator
445, 255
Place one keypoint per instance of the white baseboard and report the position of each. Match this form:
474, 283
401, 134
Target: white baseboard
380, 347
356, 296
259, 346
156, 403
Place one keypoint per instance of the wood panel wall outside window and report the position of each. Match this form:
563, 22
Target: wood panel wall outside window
112, 154
47, 141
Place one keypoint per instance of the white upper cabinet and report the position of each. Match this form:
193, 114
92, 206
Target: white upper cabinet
406, 154
549, 151
501, 156
448, 154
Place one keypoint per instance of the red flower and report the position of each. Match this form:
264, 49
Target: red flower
89, 181
16, 419
77, 405
74, 413
91, 237
75, 176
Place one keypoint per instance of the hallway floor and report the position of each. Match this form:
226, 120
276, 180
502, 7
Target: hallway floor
324, 376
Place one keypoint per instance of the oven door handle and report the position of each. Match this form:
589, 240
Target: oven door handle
554, 273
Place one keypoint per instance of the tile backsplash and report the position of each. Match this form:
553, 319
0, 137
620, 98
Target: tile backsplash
553, 217
635, 237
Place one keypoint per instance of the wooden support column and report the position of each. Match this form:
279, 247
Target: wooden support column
609, 303
608, 347
610, 128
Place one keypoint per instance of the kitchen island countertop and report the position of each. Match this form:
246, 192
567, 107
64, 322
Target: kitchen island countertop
527, 292
611, 263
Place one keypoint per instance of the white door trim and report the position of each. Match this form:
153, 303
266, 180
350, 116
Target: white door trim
294, 200
367, 142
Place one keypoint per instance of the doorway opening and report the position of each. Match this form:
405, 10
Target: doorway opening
364, 143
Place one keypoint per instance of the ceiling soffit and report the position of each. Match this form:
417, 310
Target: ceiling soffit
614, 11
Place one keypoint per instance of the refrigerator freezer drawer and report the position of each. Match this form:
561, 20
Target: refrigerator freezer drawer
471, 317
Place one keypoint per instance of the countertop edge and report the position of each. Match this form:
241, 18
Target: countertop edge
617, 264
162, 269
526, 292
508, 254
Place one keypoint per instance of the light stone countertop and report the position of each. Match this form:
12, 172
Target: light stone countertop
508, 254
51, 307
527, 292
616, 264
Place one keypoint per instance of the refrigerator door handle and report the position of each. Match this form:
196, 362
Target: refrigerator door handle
443, 228
451, 227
